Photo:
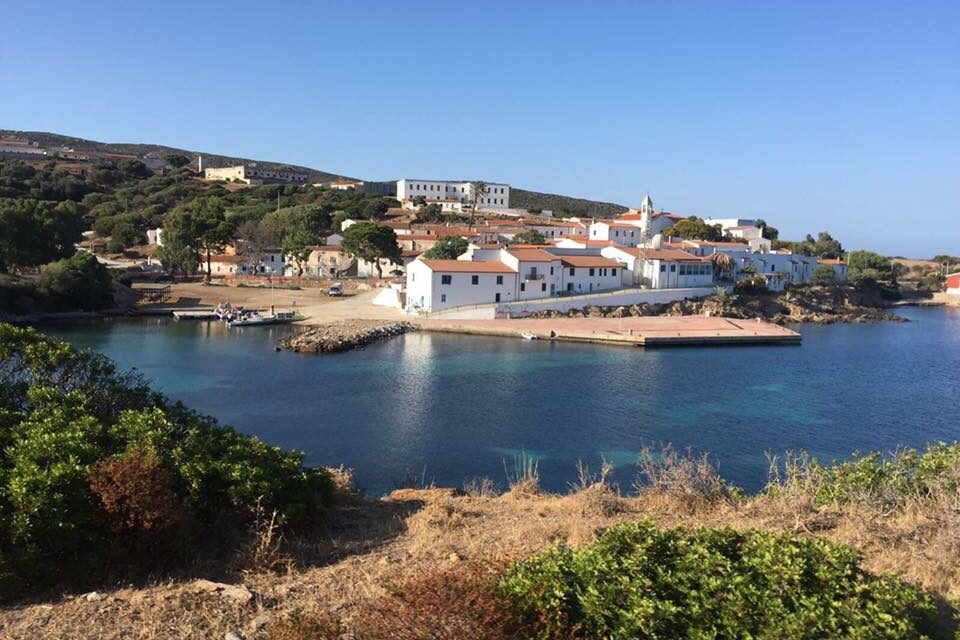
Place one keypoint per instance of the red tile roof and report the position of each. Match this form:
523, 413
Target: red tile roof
588, 261
531, 255
467, 266
672, 255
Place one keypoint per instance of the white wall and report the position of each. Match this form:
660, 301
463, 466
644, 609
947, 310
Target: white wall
623, 297
580, 279
496, 195
425, 288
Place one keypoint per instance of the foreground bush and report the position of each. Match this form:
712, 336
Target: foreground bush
638, 581
95, 468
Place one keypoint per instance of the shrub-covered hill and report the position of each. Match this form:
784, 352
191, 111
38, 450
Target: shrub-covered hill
100, 475
45, 139
563, 205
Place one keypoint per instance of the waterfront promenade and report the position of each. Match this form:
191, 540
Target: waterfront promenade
647, 331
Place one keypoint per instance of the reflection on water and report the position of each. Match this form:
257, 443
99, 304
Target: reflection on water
459, 407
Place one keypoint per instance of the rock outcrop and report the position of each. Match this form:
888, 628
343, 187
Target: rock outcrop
344, 336
817, 305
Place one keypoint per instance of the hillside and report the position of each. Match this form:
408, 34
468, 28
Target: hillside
46, 139
520, 198
563, 205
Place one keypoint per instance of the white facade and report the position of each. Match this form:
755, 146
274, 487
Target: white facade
252, 175
539, 274
441, 284
155, 236
619, 232
513, 275
453, 195
664, 268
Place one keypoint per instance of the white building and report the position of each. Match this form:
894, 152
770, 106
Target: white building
506, 276
619, 232
453, 195
839, 268
662, 268
539, 274
155, 236
439, 284
252, 175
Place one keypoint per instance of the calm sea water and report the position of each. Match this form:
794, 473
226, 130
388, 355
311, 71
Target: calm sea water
447, 408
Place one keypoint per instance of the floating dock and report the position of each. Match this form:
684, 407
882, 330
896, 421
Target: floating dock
194, 314
643, 331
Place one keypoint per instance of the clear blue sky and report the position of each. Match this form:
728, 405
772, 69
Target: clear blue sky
814, 115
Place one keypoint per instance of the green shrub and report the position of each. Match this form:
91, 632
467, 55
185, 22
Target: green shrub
638, 581
824, 274
78, 282
873, 480
752, 285
92, 459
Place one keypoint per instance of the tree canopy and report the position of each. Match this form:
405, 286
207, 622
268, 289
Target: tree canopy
372, 242
447, 248
693, 228
530, 236
34, 232
866, 268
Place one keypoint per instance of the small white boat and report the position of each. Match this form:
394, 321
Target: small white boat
526, 335
254, 319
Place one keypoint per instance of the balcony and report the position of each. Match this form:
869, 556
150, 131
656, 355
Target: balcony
532, 276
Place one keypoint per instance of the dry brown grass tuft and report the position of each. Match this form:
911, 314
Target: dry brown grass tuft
689, 481
523, 477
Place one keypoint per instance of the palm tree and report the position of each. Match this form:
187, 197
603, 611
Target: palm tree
478, 186
722, 265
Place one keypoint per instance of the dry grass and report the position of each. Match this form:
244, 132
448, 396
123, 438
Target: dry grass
369, 545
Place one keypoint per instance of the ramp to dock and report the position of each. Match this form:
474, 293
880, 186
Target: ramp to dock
652, 331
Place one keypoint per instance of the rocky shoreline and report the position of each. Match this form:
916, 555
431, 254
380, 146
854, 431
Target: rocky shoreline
814, 305
345, 335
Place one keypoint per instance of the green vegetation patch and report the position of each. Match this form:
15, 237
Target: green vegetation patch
99, 472
638, 581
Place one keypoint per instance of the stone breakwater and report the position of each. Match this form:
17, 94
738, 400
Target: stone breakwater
345, 335
813, 305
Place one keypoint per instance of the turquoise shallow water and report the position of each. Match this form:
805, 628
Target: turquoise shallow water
449, 408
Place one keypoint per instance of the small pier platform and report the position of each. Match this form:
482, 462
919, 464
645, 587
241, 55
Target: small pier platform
194, 314
643, 331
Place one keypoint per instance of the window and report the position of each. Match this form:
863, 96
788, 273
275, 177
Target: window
592, 271
543, 286
446, 279
496, 298
443, 297
474, 279
613, 272
572, 271
523, 286
663, 268
673, 268
551, 270
499, 281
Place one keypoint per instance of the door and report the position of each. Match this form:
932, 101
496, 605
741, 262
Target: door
496, 298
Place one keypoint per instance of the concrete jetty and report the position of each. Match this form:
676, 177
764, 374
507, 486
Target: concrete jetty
643, 331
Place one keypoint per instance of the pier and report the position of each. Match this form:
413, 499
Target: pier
643, 331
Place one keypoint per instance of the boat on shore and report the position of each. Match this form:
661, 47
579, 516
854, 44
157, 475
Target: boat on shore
527, 335
254, 319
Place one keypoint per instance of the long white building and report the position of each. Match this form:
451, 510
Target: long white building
453, 195
507, 275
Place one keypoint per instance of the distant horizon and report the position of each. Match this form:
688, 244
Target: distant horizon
814, 117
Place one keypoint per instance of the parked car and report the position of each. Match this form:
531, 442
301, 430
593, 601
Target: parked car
335, 290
